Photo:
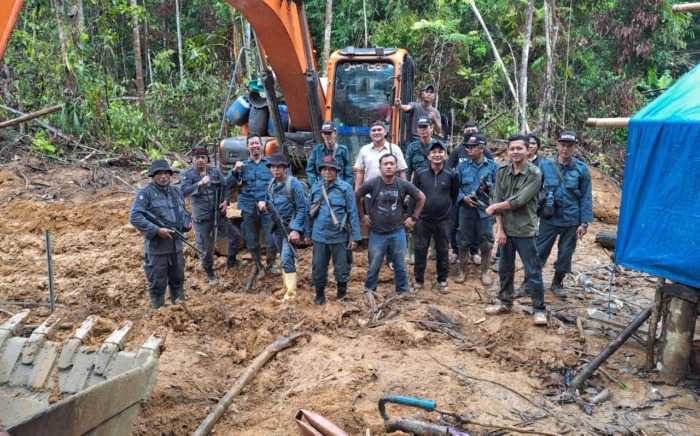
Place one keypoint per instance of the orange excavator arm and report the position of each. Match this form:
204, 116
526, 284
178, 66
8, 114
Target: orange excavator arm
9, 10
281, 30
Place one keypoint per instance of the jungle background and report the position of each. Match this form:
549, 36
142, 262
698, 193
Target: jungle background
152, 75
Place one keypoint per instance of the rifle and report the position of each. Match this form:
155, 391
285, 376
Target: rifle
481, 195
217, 213
278, 222
176, 233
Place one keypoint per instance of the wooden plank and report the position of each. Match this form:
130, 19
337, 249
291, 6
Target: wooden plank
686, 7
611, 123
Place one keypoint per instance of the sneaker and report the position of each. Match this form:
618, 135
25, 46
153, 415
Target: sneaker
410, 259
476, 259
211, 278
486, 279
540, 318
497, 309
417, 286
442, 287
453, 257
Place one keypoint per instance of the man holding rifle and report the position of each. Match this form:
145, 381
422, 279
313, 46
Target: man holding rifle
287, 203
159, 213
209, 194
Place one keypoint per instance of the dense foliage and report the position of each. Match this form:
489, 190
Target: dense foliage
610, 57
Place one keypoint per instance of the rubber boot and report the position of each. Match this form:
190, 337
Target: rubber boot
342, 291
463, 265
558, 284
486, 279
211, 277
320, 296
290, 283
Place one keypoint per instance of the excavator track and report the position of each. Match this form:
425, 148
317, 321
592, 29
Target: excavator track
67, 389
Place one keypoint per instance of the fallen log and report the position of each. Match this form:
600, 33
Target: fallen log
606, 239
30, 116
686, 7
610, 123
587, 371
268, 353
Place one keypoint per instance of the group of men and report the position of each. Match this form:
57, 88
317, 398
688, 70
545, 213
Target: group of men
463, 199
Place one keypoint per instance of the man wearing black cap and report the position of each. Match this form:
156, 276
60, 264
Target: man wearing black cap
477, 176
440, 187
209, 194
163, 263
422, 108
568, 181
339, 152
417, 151
335, 228
286, 201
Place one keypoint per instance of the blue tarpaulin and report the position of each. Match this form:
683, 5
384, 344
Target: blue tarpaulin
659, 226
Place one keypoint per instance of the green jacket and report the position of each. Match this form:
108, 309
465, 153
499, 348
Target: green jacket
520, 190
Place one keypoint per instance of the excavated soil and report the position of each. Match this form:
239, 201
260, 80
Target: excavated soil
346, 364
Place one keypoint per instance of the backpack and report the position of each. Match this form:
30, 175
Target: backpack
378, 182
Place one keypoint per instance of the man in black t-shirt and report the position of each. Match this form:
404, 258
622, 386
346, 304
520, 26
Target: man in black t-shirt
440, 187
386, 221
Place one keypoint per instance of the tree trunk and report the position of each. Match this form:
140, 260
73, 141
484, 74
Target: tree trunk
63, 44
136, 35
327, 37
524, 61
566, 68
146, 45
550, 38
179, 40
499, 60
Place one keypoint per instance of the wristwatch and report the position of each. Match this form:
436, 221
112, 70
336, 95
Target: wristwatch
413, 217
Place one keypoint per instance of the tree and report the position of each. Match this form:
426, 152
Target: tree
327, 35
522, 80
140, 91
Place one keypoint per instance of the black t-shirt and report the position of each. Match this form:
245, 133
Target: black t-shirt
386, 209
440, 190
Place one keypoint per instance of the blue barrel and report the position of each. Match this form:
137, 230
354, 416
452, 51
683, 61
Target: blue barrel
284, 118
237, 113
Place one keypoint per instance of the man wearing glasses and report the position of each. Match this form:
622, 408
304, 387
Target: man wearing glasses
339, 153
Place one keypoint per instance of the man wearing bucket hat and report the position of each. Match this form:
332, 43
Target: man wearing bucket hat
567, 181
329, 147
209, 194
422, 108
335, 228
157, 210
287, 202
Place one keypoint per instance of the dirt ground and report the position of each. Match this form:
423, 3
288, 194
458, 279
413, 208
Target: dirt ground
346, 365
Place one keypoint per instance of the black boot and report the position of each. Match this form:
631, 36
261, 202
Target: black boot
342, 291
558, 284
320, 296
211, 277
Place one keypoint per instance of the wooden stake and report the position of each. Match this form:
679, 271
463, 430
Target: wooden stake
610, 123
268, 353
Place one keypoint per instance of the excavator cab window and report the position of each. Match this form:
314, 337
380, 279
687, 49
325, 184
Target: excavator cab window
362, 94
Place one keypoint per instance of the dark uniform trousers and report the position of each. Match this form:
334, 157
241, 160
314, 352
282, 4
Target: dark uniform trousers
439, 231
567, 244
204, 234
322, 254
162, 271
253, 225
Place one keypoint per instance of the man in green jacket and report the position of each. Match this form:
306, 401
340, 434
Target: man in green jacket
515, 208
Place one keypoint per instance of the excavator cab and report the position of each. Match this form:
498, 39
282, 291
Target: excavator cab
362, 86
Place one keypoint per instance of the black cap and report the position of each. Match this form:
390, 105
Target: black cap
436, 144
423, 121
568, 136
328, 127
329, 162
428, 87
480, 140
199, 150
277, 159
158, 166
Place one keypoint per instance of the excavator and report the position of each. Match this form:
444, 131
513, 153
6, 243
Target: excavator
361, 86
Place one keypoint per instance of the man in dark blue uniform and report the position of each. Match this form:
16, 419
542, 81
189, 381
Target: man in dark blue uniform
569, 182
329, 147
158, 209
209, 195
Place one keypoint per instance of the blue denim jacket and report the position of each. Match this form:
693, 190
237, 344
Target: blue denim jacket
202, 197
469, 174
290, 202
168, 206
342, 157
254, 177
571, 185
342, 199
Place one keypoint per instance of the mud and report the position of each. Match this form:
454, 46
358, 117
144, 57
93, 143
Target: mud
347, 365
